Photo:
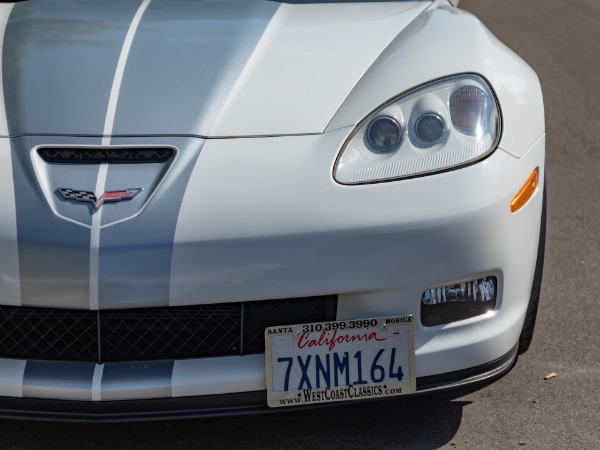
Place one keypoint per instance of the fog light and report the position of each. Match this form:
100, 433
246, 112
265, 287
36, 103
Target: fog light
458, 301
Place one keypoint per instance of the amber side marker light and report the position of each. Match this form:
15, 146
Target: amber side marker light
526, 192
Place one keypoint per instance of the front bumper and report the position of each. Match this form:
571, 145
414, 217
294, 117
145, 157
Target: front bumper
279, 226
214, 405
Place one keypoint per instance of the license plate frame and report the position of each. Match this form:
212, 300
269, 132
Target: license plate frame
307, 363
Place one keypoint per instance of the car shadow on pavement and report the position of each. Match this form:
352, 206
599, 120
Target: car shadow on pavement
425, 421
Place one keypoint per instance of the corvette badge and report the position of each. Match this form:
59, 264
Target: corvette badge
90, 197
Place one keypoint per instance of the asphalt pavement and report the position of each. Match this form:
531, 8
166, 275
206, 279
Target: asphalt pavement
561, 41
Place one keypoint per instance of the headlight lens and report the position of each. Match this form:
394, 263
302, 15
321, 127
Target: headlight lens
430, 127
384, 133
442, 125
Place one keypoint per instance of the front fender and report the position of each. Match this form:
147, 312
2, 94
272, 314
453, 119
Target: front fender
446, 41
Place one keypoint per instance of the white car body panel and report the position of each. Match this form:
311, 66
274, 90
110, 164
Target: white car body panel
218, 376
286, 76
247, 209
288, 222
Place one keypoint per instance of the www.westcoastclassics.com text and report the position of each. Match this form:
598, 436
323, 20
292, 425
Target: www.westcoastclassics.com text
339, 394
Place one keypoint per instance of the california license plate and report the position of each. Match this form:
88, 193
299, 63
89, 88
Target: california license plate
340, 361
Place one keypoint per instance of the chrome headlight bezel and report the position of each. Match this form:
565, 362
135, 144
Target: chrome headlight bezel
454, 149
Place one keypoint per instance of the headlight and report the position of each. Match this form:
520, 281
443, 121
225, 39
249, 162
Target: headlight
442, 125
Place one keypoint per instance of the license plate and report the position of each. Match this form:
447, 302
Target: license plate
340, 361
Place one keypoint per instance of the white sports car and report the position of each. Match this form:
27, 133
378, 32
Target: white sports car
224, 206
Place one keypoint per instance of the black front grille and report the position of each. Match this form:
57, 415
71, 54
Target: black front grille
64, 334
152, 333
170, 333
105, 154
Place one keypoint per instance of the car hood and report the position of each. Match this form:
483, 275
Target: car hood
190, 68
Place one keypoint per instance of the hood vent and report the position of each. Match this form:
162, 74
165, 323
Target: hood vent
97, 155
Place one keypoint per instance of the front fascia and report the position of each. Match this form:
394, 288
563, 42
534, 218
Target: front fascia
318, 236
70, 255
262, 218
280, 226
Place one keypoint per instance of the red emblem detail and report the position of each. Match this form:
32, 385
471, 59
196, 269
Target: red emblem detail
107, 197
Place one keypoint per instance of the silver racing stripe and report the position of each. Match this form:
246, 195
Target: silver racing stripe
97, 382
50, 100
134, 258
135, 255
106, 140
10, 277
52, 380
53, 253
59, 63
86, 381
118, 79
184, 63
97, 80
61, 80
215, 39
95, 237
130, 380
10, 281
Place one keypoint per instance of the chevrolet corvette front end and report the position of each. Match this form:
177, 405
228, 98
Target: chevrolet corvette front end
358, 185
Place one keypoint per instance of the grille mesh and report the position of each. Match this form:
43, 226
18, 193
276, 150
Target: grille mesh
167, 333
35, 332
147, 334
105, 155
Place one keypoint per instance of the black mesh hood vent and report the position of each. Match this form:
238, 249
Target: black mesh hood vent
105, 155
